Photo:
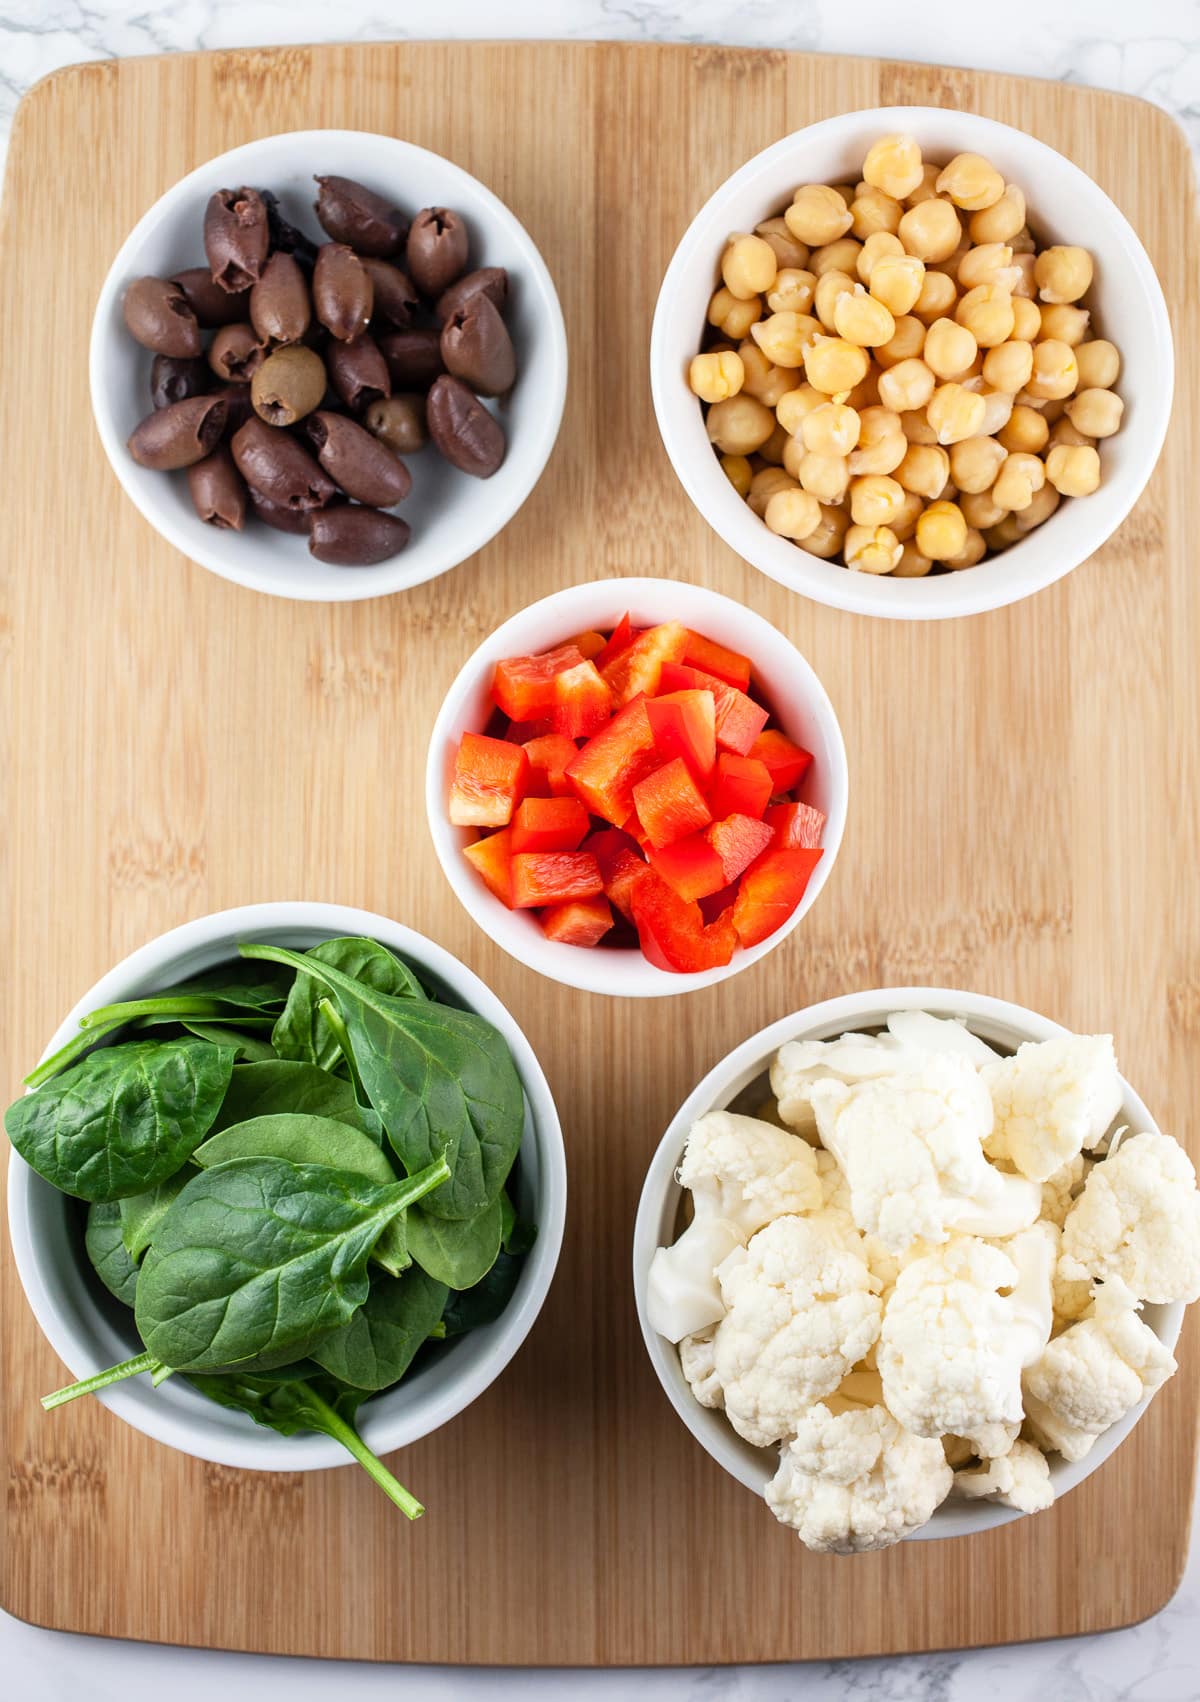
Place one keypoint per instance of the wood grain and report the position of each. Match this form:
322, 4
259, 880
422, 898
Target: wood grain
1024, 822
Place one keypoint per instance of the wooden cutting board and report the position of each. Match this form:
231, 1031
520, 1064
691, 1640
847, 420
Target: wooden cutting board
1024, 822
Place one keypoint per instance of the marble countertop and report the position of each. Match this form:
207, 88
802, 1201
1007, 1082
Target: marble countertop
1151, 50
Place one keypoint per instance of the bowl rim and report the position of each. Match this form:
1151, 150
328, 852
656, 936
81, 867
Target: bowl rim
620, 973
937, 597
480, 524
255, 1448
751, 1466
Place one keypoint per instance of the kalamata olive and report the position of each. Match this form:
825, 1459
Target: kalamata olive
289, 384
436, 251
180, 434
284, 238
280, 516
350, 536
477, 348
218, 491
399, 421
414, 358
358, 462
236, 353
462, 429
157, 315
491, 281
236, 237
395, 300
280, 308
279, 468
342, 293
238, 407
357, 216
358, 372
208, 301
173, 380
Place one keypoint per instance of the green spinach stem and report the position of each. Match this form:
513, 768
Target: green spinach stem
336, 1427
337, 1028
65, 1055
102, 1379
181, 1004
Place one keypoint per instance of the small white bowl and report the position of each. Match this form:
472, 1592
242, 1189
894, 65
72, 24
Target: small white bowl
994, 1020
452, 515
1065, 206
89, 1330
799, 705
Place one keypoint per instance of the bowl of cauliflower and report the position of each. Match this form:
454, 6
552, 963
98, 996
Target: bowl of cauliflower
912, 1263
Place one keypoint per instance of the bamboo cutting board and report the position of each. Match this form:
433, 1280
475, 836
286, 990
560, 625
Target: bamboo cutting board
1024, 822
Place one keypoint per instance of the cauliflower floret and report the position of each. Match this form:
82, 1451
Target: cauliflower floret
683, 1295
1020, 1478
800, 1313
1138, 1218
1051, 1099
696, 1358
747, 1171
921, 1032
855, 1480
1093, 1374
1059, 1190
800, 1064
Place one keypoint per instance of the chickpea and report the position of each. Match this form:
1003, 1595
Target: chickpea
1099, 365
793, 454
1023, 242
1002, 220
792, 514
924, 470
1004, 534
1073, 470
904, 521
916, 427
896, 281
912, 564
971, 182
714, 378
826, 476
739, 472
1027, 319
938, 295
991, 263
906, 343
949, 348
732, 316
831, 429
1063, 322
774, 449
826, 541
860, 319
1025, 433
930, 230
894, 164
847, 191
739, 425
997, 409
1064, 432
908, 384
881, 442
784, 337
987, 313
1053, 411
835, 257
792, 291
1041, 508
871, 211
1017, 481
834, 365
764, 485
866, 393
761, 378
829, 288
1008, 366
954, 413
817, 215
974, 464
748, 266
874, 500
973, 551
871, 549
1055, 373
980, 511
941, 531
794, 406
1063, 273
787, 251
1023, 286
882, 245
926, 189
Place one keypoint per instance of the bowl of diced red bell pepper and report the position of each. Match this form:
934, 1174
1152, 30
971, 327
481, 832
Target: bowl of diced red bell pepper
637, 786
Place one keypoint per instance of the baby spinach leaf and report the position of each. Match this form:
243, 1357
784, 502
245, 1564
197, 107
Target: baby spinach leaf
484, 1303
106, 1250
302, 1031
517, 1233
260, 1256
122, 1120
249, 1048
377, 1346
142, 1213
71, 1052
263, 1089
218, 992
456, 1251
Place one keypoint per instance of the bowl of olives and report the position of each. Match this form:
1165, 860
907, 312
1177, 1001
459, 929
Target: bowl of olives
328, 365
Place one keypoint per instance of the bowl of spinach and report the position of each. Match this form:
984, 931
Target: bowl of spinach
287, 1189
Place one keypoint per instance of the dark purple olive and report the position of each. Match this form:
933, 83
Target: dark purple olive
358, 372
414, 358
158, 316
288, 385
280, 307
238, 406
342, 293
399, 421
279, 468
284, 238
179, 435
217, 490
491, 281
462, 429
173, 380
357, 216
477, 348
350, 536
396, 302
236, 353
436, 251
364, 468
236, 237
208, 301
278, 515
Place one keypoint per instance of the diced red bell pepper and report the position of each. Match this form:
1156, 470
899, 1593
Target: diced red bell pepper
770, 892
739, 719
796, 826
549, 824
584, 922
672, 932
717, 903
549, 758
684, 723
620, 639
741, 786
669, 804
523, 686
621, 865
612, 762
521, 732
582, 702
787, 762
691, 867
490, 777
553, 877
714, 658
589, 644
737, 840
492, 859
638, 667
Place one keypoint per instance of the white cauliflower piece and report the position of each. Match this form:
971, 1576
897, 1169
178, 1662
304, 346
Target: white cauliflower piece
1060, 1189
800, 1314
918, 1031
800, 1064
747, 1171
1138, 1219
1093, 1374
683, 1295
1052, 1098
699, 1367
1020, 1478
855, 1480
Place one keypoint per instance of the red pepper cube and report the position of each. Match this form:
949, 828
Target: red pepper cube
796, 826
549, 758
691, 867
491, 857
584, 922
612, 762
672, 931
553, 877
739, 719
741, 786
621, 865
589, 644
490, 778
717, 903
684, 723
621, 637
714, 658
523, 686
788, 764
637, 668
549, 824
582, 702
737, 840
770, 892
669, 804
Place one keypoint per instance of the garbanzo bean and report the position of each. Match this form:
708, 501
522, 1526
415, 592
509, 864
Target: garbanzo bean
763, 486
831, 429
1099, 365
1026, 431
991, 263
1004, 534
738, 471
930, 230
1002, 220
875, 500
826, 541
937, 298
794, 405
792, 291
1008, 366
860, 319
1027, 319
972, 551
980, 511
732, 316
906, 343
715, 377
881, 442
904, 521
941, 531
955, 412
1017, 481
1063, 321
872, 211
1063, 431
987, 313
792, 514
871, 549
912, 564
826, 476
896, 281
974, 464
739, 425
997, 410
924, 470
916, 427
840, 256
788, 252
761, 377
971, 182
1024, 288
894, 164
1063, 273
1055, 372
949, 349
784, 337
908, 384
748, 266
926, 189
774, 449
883, 245
1097, 413
817, 215
833, 365
825, 299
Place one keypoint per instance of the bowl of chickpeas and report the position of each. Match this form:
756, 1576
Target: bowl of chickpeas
898, 386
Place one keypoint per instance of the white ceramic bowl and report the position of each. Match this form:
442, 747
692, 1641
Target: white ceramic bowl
799, 705
89, 1330
994, 1020
1064, 206
451, 514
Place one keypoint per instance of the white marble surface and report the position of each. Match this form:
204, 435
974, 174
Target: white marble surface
1152, 49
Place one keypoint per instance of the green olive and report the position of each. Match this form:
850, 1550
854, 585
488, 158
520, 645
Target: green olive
289, 384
